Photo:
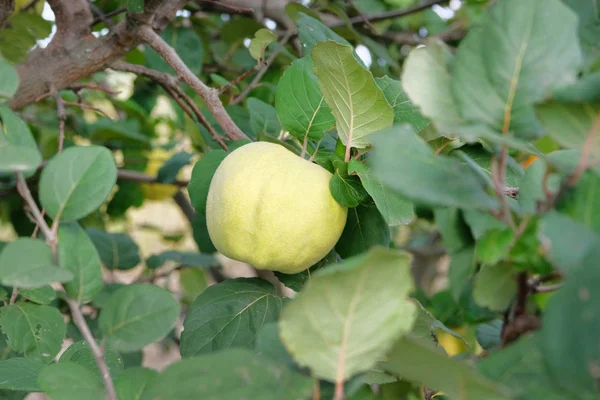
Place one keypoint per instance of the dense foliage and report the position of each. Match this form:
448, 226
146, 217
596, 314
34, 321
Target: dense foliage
462, 136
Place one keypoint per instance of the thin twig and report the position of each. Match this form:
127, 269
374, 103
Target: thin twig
230, 7
33, 208
546, 288
210, 95
339, 390
13, 296
170, 84
104, 17
97, 351
101, 88
264, 68
62, 117
362, 16
86, 107
129, 175
241, 77
390, 14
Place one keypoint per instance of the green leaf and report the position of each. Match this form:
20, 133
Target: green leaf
569, 240
297, 281
184, 258
312, 31
137, 315
18, 149
520, 367
186, 43
263, 118
168, 172
299, 102
395, 209
455, 234
76, 252
81, 354
572, 354
133, 381
494, 245
483, 159
357, 103
345, 189
489, 335
586, 89
427, 82
34, 330
589, 27
365, 228
229, 314
20, 374
569, 124
42, 295
331, 327
76, 182
202, 175
28, 263
201, 236
193, 281
480, 221
229, 374
70, 381
431, 367
10, 81
403, 161
404, 110
262, 38
134, 6
494, 286
116, 250
124, 132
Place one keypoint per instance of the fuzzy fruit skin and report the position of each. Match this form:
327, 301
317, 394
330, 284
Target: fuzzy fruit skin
272, 209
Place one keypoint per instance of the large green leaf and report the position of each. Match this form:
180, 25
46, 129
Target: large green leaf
404, 110
76, 252
573, 355
29, 263
347, 316
357, 103
133, 381
403, 162
116, 250
81, 354
229, 374
202, 175
70, 381
229, 314
77, 181
394, 208
299, 102
524, 59
418, 360
137, 315
34, 330
20, 374
521, 368
365, 228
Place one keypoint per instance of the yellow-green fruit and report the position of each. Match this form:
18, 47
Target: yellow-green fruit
272, 209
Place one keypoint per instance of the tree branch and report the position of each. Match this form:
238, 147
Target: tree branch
62, 66
73, 21
170, 84
210, 95
6, 8
390, 14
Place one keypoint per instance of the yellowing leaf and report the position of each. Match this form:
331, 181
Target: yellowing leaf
262, 38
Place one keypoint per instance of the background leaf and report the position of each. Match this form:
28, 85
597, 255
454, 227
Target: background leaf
404, 110
77, 181
494, 286
20, 374
332, 326
263, 118
137, 315
133, 381
365, 228
357, 103
202, 175
81, 354
70, 381
186, 258
262, 38
116, 250
229, 314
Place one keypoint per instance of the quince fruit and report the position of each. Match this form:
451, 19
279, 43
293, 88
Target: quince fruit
272, 209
